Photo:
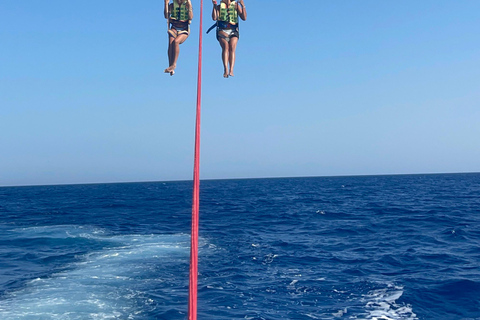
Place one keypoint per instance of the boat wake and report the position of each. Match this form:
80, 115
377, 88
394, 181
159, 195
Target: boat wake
122, 277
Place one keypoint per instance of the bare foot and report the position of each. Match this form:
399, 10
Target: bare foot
231, 73
225, 74
170, 70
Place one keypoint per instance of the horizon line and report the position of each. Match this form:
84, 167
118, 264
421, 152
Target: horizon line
238, 178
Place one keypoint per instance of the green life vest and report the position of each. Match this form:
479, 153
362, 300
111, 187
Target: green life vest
229, 15
180, 12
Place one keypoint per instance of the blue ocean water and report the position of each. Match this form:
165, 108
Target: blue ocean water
378, 247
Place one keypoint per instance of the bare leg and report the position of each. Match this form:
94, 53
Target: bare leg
170, 53
176, 51
232, 48
225, 52
225, 57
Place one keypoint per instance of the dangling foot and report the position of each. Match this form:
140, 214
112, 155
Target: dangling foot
225, 73
171, 70
231, 73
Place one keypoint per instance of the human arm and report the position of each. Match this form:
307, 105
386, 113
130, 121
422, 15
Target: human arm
242, 10
214, 10
190, 9
166, 11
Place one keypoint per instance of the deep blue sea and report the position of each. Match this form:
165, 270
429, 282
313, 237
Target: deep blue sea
367, 247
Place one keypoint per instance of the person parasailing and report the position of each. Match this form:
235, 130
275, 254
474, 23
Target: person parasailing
179, 14
226, 16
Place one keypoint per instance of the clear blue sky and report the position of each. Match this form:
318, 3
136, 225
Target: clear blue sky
320, 88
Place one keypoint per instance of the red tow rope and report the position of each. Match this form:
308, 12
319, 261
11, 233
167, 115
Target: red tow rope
192, 293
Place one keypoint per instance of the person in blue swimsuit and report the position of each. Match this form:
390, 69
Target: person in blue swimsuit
179, 14
226, 14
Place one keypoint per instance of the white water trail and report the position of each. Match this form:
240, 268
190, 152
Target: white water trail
107, 284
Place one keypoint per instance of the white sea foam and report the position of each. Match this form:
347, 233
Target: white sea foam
106, 284
377, 304
381, 304
58, 232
